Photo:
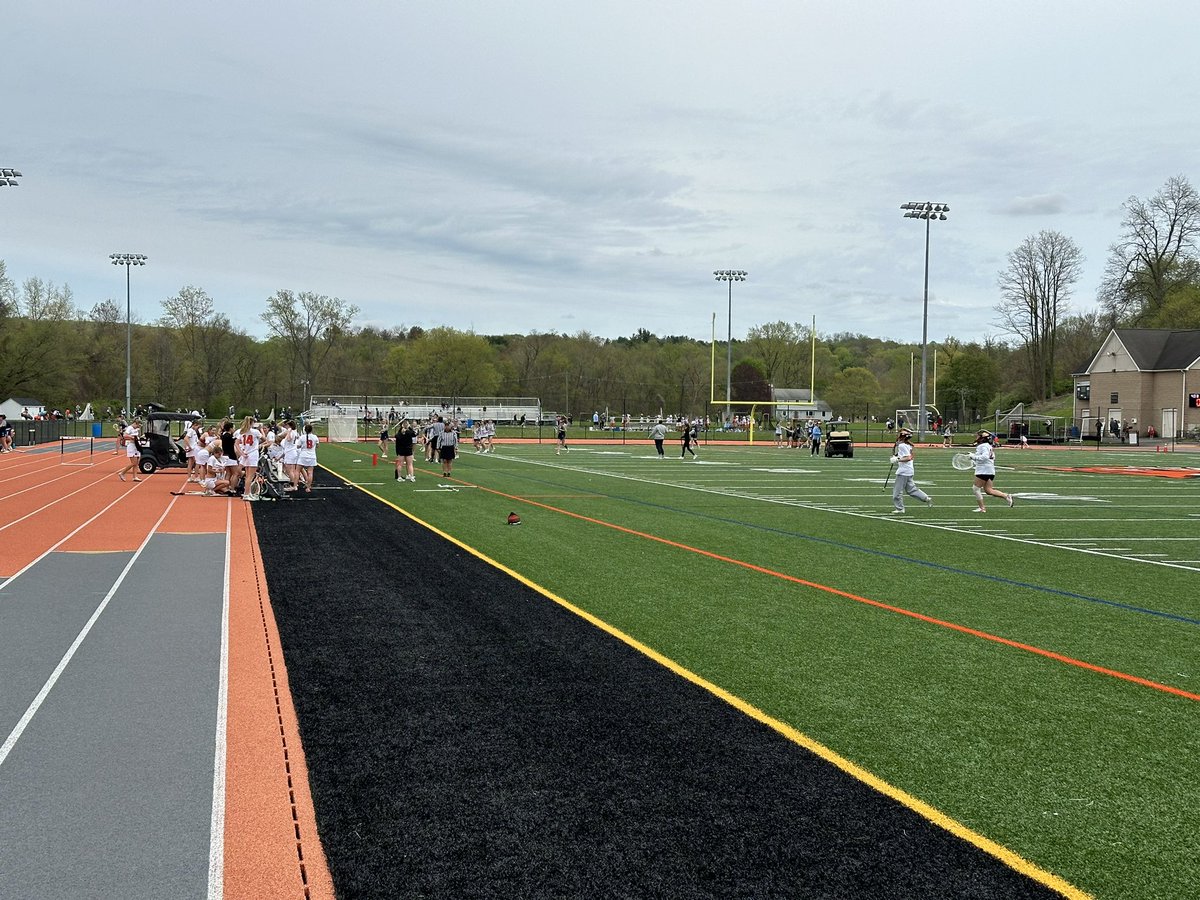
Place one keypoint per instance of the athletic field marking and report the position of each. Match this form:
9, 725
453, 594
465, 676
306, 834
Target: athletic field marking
58, 499
37, 701
216, 828
22, 571
964, 527
882, 516
899, 610
930, 813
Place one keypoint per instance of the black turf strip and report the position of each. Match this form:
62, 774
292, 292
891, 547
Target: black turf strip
466, 737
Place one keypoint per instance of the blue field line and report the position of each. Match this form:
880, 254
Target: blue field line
893, 556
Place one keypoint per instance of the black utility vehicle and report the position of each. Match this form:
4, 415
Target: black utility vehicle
160, 450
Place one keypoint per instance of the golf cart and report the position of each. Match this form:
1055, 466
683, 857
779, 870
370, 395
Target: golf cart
837, 441
159, 449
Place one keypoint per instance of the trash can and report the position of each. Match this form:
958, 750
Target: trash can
97, 429
1133, 437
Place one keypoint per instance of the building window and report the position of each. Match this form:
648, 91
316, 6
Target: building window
1112, 398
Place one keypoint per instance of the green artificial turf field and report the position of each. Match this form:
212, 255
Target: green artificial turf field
1031, 673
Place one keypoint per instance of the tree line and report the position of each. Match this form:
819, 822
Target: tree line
193, 356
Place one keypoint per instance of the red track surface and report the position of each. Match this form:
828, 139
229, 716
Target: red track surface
271, 844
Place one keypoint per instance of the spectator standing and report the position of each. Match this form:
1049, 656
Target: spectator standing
814, 440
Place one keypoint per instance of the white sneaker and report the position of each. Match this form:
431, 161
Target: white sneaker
897, 512
1011, 500
977, 509
929, 502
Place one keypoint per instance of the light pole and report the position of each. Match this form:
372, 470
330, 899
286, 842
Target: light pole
729, 275
929, 212
127, 260
304, 397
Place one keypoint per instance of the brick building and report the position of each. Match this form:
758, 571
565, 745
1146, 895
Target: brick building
1142, 378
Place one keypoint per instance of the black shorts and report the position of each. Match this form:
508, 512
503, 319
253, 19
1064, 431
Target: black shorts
446, 453
985, 477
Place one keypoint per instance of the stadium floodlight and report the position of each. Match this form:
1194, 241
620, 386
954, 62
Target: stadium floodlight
128, 260
930, 212
8, 177
729, 275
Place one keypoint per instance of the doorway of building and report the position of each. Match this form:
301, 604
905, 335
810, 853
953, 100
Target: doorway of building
1169, 429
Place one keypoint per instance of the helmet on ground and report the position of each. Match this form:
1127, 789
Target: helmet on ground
514, 519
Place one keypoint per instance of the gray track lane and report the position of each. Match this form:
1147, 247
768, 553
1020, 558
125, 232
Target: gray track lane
40, 614
109, 791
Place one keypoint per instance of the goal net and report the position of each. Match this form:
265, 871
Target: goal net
343, 429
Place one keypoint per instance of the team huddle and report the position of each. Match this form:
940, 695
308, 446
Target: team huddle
224, 460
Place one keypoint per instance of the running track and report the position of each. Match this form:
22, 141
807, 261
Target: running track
148, 745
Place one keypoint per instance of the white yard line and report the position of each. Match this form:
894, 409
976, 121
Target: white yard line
966, 527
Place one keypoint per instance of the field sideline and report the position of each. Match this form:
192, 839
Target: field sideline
1030, 673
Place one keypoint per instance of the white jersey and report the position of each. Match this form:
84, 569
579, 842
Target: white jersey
308, 450
904, 453
131, 447
984, 460
248, 442
290, 445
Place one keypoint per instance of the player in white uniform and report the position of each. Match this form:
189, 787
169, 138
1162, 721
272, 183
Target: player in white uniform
249, 440
905, 483
192, 446
983, 458
132, 451
307, 457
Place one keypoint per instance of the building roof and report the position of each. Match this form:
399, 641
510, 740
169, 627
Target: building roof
1158, 349
792, 395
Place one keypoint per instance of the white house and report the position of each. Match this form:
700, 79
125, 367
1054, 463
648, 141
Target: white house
13, 407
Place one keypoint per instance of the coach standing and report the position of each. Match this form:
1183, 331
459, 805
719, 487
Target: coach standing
658, 434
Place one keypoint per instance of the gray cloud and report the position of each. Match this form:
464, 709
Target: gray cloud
1037, 205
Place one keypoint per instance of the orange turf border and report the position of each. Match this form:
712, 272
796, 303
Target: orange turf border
271, 844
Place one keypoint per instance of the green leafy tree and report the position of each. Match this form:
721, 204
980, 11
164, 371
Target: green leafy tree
968, 384
852, 392
750, 381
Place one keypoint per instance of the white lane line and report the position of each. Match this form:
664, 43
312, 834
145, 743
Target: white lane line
216, 828
18, 574
36, 704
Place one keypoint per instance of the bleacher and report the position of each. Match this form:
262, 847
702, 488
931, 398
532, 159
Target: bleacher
502, 410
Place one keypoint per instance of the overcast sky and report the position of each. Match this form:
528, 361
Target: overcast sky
562, 166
